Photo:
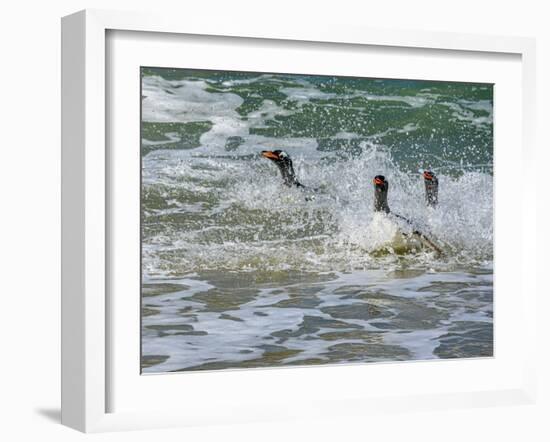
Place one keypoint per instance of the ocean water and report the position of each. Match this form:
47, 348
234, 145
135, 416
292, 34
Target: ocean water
240, 271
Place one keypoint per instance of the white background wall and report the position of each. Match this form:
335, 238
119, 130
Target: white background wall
30, 220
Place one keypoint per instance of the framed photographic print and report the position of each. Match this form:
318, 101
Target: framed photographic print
277, 223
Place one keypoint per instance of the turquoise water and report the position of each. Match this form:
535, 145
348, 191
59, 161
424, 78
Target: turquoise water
240, 271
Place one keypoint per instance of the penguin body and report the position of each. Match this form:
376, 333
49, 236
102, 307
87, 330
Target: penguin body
431, 185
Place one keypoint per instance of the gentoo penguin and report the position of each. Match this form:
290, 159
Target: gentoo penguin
381, 186
381, 194
431, 184
284, 163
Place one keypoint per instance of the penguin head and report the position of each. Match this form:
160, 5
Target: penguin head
380, 183
277, 156
429, 175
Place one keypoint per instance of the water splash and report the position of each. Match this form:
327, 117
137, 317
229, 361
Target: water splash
234, 213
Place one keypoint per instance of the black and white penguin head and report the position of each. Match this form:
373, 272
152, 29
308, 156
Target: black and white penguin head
380, 183
429, 175
278, 156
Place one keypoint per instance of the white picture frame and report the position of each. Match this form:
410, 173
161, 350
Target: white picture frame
86, 353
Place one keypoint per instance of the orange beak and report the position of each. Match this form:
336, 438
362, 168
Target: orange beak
378, 181
269, 154
428, 175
